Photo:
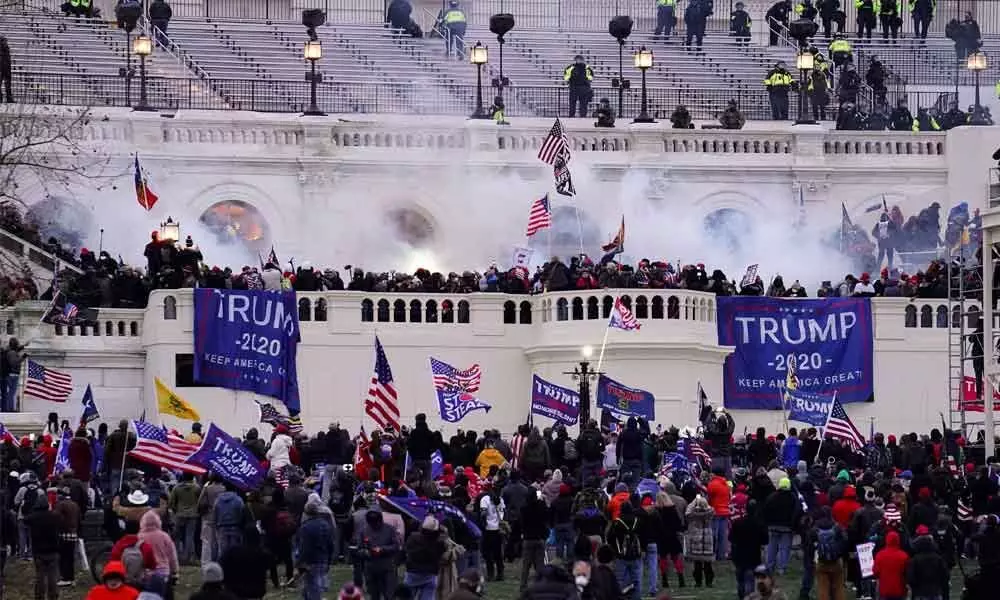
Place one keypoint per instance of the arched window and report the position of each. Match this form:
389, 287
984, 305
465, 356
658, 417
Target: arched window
525, 316
956, 317
97, 328
83, 330
926, 316
593, 309
416, 311
942, 316
383, 311
910, 320
367, 311
447, 311
673, 308
627, 301
319, 310
562, 310
399, 311
546, 308
133, 328
71, 330
607, 303
657, 307
509, 312
121, 328
9, 327
305, 309
169, 308
463, 311
109, 328
578, 309
431, 311
641, 308
972, 318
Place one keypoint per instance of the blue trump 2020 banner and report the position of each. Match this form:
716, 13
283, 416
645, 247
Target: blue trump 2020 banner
554, 401
830, 342
225, 455
247, 340
623, 401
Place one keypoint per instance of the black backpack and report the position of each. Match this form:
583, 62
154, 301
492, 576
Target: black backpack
630, 548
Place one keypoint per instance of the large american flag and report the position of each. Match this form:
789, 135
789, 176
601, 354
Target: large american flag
156, 446
47, 384
450, 379
382, 404
622, 317
540, 216
273, 417
839, 426
555, 145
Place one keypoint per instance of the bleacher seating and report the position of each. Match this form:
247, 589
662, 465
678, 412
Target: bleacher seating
215, 59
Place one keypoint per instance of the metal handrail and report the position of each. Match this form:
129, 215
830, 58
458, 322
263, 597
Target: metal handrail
172, 48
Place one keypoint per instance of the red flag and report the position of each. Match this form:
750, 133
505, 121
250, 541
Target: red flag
143, 194
363, 456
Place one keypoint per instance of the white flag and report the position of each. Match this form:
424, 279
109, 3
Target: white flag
521, 257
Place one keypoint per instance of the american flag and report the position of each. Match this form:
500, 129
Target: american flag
448, 378
555, 145
47, 384
6, 436
964, 512
839, 426
622, 317
540, 216
382, 404
892, 514
156, 446
692, 449
791, 376
273, 417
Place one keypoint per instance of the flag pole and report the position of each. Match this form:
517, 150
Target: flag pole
579, 226
604, 342
784, 409
822, 435
19, 396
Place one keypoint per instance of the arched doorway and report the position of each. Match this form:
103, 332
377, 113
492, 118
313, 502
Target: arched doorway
238, 223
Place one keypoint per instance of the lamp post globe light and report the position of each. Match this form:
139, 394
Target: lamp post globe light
643, 60
479, 56
170, 230
583, 375
977, 62
804, 61
313, 51
142, 46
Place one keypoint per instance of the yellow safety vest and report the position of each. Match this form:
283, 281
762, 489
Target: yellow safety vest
876, 5
454, 15
840, 46
997, 89
667, 3
498, 115
934, 123
568, 72
778, 80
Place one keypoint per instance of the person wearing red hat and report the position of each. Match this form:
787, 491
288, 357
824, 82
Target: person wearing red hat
112, 586
864, 288
926, 571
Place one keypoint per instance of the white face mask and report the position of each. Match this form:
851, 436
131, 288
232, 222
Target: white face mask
582, 581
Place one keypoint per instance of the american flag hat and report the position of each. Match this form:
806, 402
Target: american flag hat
892, 514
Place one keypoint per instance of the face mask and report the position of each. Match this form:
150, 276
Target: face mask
582, 581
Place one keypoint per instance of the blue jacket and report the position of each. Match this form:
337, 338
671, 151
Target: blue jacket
229, 510
790, 452
315, 541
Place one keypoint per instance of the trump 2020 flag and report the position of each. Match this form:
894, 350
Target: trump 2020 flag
805, 407
62, 456
437, 464
223, 454
456, 390
622, 317
247, 340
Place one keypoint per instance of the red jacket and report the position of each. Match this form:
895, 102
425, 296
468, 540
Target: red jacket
128, 540
890, 568
719, 496
80, 458
845, 508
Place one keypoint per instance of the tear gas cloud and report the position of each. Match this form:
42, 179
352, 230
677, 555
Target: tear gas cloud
491, 206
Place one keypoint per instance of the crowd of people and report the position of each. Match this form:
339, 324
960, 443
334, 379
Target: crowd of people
606, 515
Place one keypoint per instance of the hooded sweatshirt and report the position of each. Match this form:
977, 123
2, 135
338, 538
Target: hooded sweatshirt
151, 534
890, 568
279, 453
926, 572
845, 508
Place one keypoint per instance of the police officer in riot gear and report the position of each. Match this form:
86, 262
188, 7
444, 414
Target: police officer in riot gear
579, 76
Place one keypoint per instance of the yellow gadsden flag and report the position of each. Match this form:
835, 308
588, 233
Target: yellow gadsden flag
171, 404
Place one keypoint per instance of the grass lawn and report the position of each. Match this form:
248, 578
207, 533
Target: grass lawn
20, 582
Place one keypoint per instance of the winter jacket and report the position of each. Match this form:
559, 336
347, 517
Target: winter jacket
782, 510
615, 504
151, 534
420, 444
424, 550
746, 538
553, 583
890, 568
488, 458
80, 458
534, 520
229, 511
926, 571
700, 541
315, 541
650, 527
100, 592
719, 496
279, 453
183, 501
669, 542
844, 509
44, 526
630, 442
619, 532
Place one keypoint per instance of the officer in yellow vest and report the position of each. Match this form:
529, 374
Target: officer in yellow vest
497, 112
778, 83
840, 51
453, 20
579, 76
867, 10
666, 17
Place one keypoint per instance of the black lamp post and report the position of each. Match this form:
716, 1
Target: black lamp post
620, 28
583, 375
977, 62
643, 60
142, 46
313, 51
805, 61
501, 24
479, 56
126, 72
